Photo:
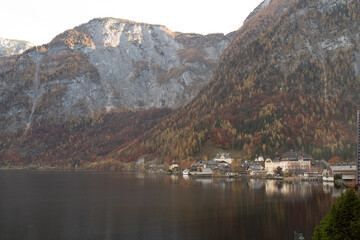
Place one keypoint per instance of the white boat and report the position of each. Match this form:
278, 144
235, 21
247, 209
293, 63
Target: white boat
186, 172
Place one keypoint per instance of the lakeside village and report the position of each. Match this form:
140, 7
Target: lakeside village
291, 166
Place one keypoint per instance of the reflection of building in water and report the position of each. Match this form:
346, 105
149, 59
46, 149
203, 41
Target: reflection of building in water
229, 179
300, 189
186, 177
256, 183
220, 183
337, 192
272, 187
140, 175
328, 187
204, 180
174, 178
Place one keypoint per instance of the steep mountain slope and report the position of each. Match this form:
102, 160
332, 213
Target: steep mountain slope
106, 64
10, 47
96, 87
292, 83
289, 80
79, 141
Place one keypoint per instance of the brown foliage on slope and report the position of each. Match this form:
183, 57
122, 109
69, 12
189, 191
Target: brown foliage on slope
85, 139
271, 93
72, 37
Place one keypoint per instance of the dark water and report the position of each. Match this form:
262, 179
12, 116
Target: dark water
93, 205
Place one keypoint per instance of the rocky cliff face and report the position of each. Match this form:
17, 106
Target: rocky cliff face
104, 65
10, 47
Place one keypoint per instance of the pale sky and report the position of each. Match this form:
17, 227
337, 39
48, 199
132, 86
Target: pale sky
39, 21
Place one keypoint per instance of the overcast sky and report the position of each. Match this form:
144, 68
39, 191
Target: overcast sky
39, 21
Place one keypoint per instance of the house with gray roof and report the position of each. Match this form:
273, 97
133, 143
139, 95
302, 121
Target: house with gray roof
347, 171
223, 157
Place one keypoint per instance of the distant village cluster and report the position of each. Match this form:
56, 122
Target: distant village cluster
293, 164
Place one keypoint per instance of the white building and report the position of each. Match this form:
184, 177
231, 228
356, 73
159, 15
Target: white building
347, 172
223, 157
271, 166
290, 161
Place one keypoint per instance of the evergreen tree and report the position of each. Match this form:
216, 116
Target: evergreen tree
342, 221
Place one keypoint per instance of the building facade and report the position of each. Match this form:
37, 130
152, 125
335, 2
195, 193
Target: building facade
289, 161
223, 157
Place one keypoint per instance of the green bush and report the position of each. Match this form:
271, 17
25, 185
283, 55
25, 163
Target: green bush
337, 177
342, 221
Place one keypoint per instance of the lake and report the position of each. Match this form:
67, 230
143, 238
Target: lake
112, 205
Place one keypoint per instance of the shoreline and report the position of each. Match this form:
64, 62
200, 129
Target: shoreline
57, 169
214, 176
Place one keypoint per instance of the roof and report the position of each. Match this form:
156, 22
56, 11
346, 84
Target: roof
225, 155
255, 167
343, 168
222, 162
277, 159
209, 162
295, 155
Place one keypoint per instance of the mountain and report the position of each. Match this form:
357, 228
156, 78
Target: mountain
10, 47
106, 66
289, 80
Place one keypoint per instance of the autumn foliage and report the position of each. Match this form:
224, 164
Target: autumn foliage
78, 141
274, 90
335, 160
258, 104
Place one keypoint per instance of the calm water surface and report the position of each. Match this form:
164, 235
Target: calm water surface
100, 205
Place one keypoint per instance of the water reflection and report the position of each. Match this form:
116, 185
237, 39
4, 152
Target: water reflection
299, 189
140, 175
186, 177
138, 206
256, 183
205, 181
174, 178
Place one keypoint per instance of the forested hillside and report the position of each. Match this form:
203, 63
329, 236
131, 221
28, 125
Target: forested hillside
293, 85
289, 80
79, 141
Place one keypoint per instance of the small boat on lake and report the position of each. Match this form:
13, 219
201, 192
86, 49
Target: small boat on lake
186, 172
